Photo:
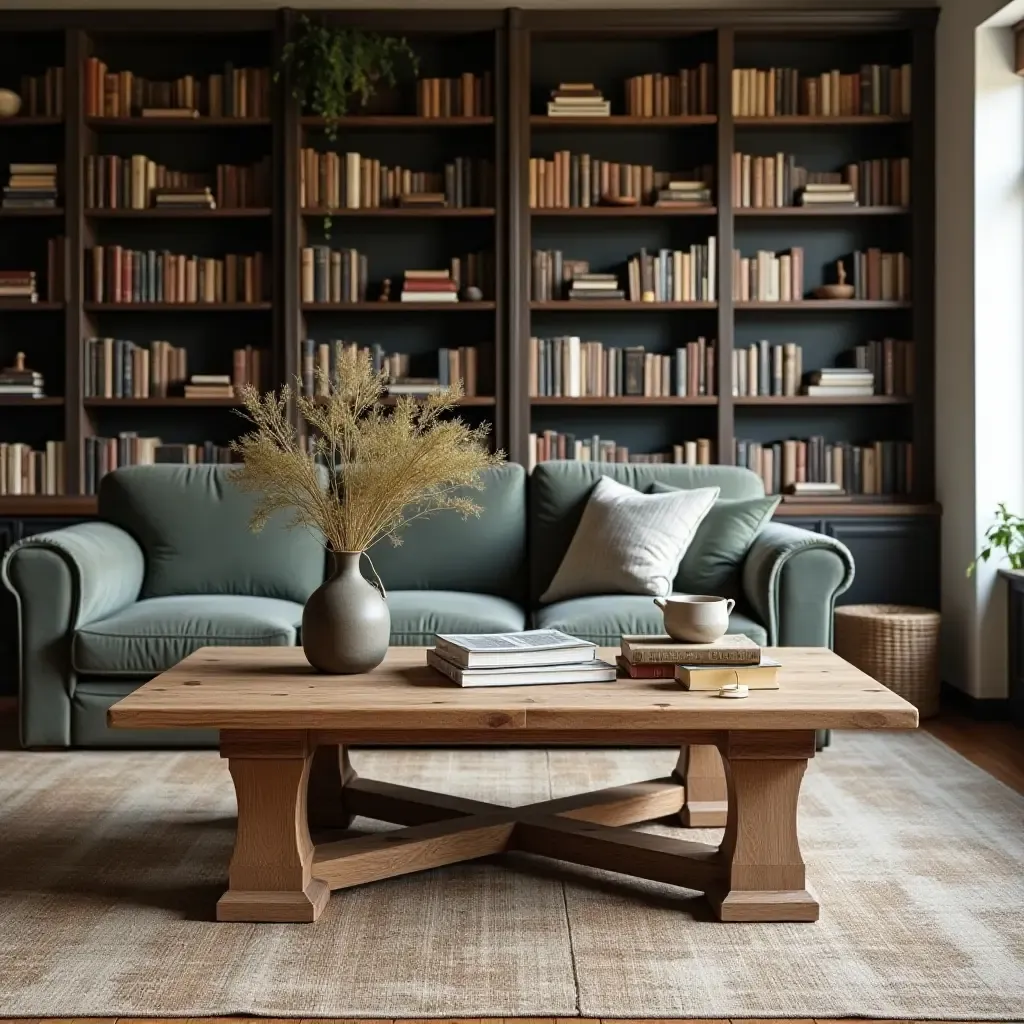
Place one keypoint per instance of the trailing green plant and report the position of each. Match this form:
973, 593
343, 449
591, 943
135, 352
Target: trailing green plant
1006, 536
331, 67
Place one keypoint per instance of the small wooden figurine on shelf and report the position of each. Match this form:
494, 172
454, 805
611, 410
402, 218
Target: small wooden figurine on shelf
842, 290
385, 290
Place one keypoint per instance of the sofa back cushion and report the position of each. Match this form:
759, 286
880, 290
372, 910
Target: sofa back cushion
485, 555
192, 523
559, 492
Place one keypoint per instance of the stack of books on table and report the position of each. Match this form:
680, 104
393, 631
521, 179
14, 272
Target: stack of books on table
429, 286
684, 194
578, 99
209, 385
841, 382
733, 658
843, 194
590, 287
31, 187
184, 199
533, 657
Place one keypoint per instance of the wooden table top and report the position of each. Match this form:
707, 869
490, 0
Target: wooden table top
402, 700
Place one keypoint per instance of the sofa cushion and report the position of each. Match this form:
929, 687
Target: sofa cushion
602, 620
152, 635
485, 555
640, 538
192, 523
713, 560
416, 615
558, 493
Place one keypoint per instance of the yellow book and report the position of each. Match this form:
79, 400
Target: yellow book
713, 677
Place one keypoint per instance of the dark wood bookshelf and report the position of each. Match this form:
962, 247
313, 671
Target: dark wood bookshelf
600, 212
559, 122
395, 306
185, 213
626, 400
392, 121
78, 506
15, 213
177, 307
403, 212
821, 211
788, 400
135, 124
30, 122
170, 402
24, 401
805, 121
822, 305
24, 306
617, 306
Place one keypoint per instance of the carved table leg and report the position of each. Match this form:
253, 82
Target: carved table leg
705, 798
270, 876
764, 878
329, 774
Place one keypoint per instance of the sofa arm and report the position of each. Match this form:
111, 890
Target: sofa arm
792, 578
62, 580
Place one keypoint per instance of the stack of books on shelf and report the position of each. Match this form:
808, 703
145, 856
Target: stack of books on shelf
578, 99
572, 368
349, 181
679, 194
185, 198
768, 182
129, 183
209, 385
589, 287
766, 369
333, 275
550, 444
23, 470
891, 362
533, 657
577, 180
43, 95
880, 276
18, 380
840, 382
872, 468
423, 200
733, 658
819, 194
18, 286
429, 286
115, 368
105, 454
768, 276
674, 275
234, 92
250, 365
120, 275
468, 95
31, 187
687, 93
876, 89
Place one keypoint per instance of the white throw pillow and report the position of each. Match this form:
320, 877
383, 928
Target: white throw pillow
628, 542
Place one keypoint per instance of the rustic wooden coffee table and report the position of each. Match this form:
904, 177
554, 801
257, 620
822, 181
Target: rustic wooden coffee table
284, 730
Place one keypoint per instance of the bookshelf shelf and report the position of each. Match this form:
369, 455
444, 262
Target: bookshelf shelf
80, 505
472, 401
799, 212
20, 306
405, 212
601, 212
30, 122
820, 305
542, 121
613, 306
170, 402
843, 509
134, 124
405, 121
193, 213
626, 400
398, 307
24, 401
805, 121
54, 212
177, 307
814, 400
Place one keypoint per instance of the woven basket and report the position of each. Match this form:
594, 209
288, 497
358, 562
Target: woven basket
896, 644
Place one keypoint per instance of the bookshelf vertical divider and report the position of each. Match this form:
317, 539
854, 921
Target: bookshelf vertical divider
722, 194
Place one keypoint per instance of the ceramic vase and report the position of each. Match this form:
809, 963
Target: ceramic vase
10, 103
346, 624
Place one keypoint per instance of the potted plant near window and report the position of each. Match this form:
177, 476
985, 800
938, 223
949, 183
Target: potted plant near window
1005, 537
363, 473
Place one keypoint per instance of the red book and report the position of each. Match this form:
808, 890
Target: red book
427, 284
658, 671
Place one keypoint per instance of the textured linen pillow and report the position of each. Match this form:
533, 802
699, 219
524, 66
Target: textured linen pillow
712, 562
628, 542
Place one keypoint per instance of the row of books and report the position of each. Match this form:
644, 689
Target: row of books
688, 92
878, 89
468, 95
668, 276
842, 468
775, 181
571, 180
137, 183
550, 444
569, 367
115, 368
883, 367
25, 470
31, 187
117, 274
234, 92
768, 276
320, 360
350, 181
105, 454
43, 95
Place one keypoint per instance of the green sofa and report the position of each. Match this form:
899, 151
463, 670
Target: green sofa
169, 566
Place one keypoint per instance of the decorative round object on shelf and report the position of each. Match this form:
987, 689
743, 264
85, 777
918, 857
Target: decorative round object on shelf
842, 290
896, 644
473, 294
10, 103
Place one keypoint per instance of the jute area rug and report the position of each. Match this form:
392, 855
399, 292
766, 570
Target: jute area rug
110, 866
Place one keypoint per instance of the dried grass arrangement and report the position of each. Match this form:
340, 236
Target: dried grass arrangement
384, 466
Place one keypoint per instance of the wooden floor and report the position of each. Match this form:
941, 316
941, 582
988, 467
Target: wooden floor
996, 747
